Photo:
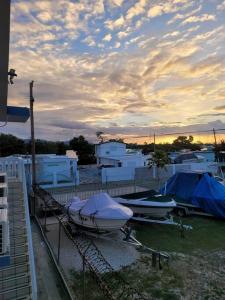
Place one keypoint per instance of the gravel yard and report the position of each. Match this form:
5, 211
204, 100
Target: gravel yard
115, 251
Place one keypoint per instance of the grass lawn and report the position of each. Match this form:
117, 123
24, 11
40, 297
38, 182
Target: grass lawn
207, 234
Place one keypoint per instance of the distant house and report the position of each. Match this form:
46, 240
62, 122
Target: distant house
53, 170
186, 157
115, 154
192, 156
57, 170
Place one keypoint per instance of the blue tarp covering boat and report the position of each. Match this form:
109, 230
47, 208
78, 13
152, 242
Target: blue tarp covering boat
199, 189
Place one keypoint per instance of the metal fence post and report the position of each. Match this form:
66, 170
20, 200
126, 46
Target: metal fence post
135, 188
59, 241
45, 227
83, 278
107, 188
154, 259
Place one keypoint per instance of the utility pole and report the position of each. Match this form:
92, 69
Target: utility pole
154, 141
215, 142
214, 134
32, 135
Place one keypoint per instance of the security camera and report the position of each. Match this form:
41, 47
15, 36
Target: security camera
12, 74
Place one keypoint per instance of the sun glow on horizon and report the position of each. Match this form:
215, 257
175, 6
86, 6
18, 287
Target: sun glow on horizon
202, 138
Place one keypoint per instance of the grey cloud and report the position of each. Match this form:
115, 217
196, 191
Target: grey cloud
70, 124
221, 107
212, 115
62, 130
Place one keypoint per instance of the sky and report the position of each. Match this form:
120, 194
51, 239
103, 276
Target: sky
126, 68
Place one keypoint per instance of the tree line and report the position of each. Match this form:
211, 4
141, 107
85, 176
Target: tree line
10, 145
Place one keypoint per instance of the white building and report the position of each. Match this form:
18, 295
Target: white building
57, 170
53, 170
115, 154
118, 163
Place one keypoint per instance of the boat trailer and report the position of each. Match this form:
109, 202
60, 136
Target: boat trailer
167, 221
129, 238
74, 230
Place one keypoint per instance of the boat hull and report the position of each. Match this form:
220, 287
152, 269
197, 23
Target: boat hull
150, 211
97, 224
149, 208
154, 212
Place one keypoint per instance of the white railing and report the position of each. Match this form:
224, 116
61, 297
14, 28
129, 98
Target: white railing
15, 170
29, 234
12, 167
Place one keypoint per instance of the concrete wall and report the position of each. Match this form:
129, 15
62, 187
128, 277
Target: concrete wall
142, 174
118, 174
130, 160
134, 161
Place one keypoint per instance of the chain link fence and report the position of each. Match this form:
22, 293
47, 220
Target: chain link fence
77, 254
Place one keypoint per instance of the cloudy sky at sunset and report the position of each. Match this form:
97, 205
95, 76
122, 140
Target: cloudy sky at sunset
127, 68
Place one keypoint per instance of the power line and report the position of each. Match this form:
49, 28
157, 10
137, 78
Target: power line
176, 133
185, 132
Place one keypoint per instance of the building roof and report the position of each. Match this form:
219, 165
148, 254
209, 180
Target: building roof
110, 142
185, 156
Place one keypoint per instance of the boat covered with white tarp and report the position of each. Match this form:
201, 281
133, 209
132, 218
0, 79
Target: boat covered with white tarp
99, 213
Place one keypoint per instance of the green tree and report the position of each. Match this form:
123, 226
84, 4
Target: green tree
9, 145
43, 147
220, 152
221, 146
119, 140
159, 159
84, 149
61, 148
183, 141
147, 148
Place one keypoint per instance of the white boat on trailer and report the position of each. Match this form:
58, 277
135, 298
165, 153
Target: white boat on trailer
151, 207
148, 204
100, 213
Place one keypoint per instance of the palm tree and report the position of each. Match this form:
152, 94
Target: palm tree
159, 159
99, 136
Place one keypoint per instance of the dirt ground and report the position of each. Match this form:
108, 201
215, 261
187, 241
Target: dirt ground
199, 276
196, 268
195, 271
